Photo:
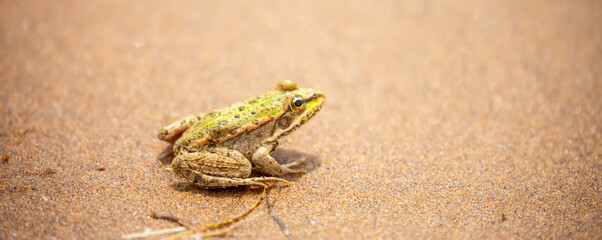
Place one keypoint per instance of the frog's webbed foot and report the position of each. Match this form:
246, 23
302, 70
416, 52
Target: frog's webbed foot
222, 227
173, 131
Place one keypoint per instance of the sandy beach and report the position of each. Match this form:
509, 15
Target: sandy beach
462, 119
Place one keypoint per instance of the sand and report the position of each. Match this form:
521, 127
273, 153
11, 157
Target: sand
461, 119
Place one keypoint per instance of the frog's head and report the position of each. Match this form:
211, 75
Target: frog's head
299, 105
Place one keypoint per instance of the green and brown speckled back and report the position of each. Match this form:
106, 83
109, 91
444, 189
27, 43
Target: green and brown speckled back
223, 124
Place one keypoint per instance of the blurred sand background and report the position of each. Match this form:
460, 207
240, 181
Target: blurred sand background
461, 119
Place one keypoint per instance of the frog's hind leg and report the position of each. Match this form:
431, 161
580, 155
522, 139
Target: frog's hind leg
173, 131
217, 168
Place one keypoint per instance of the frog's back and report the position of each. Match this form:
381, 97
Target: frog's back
223, 124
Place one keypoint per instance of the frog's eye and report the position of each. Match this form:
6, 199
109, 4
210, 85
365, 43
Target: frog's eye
297, 104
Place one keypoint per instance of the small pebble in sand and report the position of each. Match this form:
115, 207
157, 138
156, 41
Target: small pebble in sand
46, 171
6, 157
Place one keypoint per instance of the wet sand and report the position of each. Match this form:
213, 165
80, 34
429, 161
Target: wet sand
466, 119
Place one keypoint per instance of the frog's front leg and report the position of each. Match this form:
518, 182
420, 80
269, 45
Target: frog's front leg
267, 164
218, 167
173, 131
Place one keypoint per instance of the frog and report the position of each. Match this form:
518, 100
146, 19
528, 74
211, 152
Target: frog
223, 147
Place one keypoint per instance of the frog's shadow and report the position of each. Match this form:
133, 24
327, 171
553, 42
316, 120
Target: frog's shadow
282, 155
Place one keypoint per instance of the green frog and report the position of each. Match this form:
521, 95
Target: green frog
221, 148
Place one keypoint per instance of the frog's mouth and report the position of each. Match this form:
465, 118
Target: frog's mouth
314, 104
